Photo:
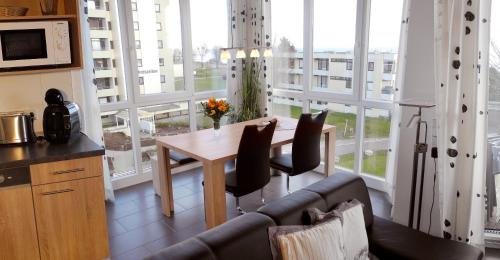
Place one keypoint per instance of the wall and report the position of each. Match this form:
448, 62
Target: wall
27, 92
418, 84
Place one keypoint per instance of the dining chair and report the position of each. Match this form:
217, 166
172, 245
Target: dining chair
252, 170
305, 154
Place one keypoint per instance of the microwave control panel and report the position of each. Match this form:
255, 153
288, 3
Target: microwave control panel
62, 48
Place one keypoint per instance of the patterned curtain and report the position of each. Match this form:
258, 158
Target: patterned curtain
88, 101
462, 43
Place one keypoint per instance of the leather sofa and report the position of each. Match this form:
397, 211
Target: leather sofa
245, 237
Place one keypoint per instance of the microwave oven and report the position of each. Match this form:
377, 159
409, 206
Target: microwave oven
31, 44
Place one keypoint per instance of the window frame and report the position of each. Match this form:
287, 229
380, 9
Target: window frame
359, 68
134, 100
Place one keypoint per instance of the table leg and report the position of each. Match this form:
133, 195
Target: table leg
165, 174
215, 193
329, 153
276, 151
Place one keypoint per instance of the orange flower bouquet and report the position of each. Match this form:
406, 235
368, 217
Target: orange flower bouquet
216, 109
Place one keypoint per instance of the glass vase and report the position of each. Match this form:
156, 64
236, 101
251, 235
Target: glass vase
216, 127
49, 7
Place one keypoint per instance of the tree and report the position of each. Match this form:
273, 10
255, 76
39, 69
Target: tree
217, 51
202, 52
286, 45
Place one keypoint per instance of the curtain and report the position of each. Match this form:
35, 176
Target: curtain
462, 43
87, 99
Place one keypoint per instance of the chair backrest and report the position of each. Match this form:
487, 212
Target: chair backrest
306, 142
252, 161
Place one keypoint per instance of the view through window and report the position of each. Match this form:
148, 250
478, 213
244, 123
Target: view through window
159, 102
361, 111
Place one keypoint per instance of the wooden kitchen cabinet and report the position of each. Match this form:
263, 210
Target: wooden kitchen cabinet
18, 241
71, 219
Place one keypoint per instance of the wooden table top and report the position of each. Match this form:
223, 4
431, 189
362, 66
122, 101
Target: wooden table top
204, 146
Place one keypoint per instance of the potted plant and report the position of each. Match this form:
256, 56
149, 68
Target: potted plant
250, 92
216, 109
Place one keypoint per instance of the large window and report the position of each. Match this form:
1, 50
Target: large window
287, 41
155, 90
209, 33
347, 57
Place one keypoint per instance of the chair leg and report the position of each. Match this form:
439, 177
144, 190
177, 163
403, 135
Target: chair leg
240, 210
262, 196
288, 184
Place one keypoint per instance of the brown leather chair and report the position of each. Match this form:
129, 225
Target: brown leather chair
305, 154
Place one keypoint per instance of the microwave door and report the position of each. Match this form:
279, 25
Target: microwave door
23, 47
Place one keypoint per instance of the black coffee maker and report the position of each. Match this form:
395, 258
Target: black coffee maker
61, 119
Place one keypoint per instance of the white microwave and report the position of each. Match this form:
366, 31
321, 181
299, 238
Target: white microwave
31, 44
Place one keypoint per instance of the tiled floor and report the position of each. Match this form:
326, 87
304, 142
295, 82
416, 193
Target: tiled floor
137, 228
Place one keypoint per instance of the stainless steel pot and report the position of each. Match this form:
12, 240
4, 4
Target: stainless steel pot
17, 127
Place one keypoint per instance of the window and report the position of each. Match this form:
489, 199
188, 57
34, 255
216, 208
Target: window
383, 47
291, 63
348, 83
363, 120
371, 66
153, 73
348, 64
323, 64
98, 44
97, 23
388, 64
322, 81
287, 42
161, 120
209, 34
334, 35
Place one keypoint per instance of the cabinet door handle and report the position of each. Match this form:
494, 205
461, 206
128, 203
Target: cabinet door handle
56, 192
69, 171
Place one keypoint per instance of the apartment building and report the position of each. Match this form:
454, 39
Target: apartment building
333, 72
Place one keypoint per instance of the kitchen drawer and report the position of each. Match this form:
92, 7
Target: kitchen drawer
65, 170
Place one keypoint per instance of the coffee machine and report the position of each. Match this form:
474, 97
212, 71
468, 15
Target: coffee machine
61, 119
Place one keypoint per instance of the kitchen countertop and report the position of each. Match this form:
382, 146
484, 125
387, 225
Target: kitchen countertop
42, 152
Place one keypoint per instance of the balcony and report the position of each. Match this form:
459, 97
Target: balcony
102, 53
100, 33
99, 13
107, 91
104, 72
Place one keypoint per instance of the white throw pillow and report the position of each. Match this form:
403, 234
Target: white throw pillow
353, 227
320, 242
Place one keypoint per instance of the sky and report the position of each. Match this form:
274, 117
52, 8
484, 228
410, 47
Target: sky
334, 23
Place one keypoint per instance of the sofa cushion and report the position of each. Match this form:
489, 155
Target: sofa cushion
292, 209
389, 240
343, 187
242, 238
191, 249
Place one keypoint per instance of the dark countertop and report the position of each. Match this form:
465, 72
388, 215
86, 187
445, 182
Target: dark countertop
25, 154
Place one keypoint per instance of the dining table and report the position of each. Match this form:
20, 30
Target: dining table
214, 150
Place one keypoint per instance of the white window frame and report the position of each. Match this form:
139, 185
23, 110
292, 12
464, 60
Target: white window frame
135, 100
358, 83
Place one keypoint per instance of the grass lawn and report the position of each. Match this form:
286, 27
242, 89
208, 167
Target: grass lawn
374, 126
374, 165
